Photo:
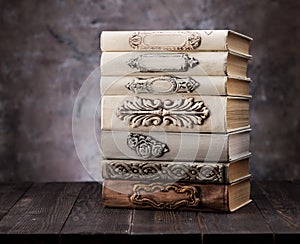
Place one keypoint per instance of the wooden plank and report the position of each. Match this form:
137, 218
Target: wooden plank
9, 194
158, 222
91, 222
43, 209
279, 203
246, 225
76, 211
165, 226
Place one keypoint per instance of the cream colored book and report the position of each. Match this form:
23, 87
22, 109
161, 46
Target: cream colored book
173, 63
197, 172
168, 84
175, 40
174, 113
160, 146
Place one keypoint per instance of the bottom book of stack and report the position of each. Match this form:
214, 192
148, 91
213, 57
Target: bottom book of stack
167, 185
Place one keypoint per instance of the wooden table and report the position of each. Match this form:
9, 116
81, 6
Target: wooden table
74, 213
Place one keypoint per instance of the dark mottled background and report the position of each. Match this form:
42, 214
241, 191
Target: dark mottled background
48, 48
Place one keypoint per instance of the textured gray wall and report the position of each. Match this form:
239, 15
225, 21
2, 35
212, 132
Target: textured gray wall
48, 48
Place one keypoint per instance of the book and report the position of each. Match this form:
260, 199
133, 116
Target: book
175, 130
175, 40
174, 63
168, 85
195, 172
176, 196
175, 113
162, 146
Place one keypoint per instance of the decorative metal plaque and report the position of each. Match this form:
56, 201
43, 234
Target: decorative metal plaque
152, 195
161, 171
146, 146
163, 62
162, 85
183, 112
168, 41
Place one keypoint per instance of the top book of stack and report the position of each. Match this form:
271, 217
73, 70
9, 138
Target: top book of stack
177, 53
176, 40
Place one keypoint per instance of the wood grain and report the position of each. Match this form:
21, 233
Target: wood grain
10, 194
279, 204
42, 210
74, 213
90, 217
246, 225
147, 222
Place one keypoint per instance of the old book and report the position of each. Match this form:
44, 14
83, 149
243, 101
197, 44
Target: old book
173, 63
175, 40
174, 113
172, 196
194, 172
158, 145
168, 84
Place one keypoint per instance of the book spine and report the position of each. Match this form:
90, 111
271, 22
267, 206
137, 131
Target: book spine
197, 172
165, 196
160, 146
164, 63
163, 85
183, 113
197, 40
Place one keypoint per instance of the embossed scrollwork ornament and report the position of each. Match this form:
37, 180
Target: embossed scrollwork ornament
146, 146
184, 112
169, 85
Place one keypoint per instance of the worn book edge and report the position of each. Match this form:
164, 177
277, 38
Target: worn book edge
197, 172
174, 40
169, 85
176, 196
168, 146
177, 113
174, 63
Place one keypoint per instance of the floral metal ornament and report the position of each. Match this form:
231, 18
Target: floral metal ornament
146, 146
183, 112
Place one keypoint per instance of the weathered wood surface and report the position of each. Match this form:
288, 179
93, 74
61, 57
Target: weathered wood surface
74, 213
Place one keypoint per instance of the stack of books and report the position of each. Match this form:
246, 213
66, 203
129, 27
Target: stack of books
175, 130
